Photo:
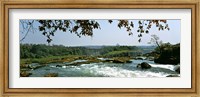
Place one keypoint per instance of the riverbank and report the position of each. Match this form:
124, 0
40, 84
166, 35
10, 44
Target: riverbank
59, 64
35, 63
70, 58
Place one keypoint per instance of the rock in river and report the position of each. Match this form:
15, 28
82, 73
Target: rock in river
175, 75
177, 69
25, 74
144, 65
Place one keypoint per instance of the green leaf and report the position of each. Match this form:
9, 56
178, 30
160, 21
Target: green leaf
41, 28
110, 21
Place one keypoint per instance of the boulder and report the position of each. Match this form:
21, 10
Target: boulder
51, 75
108, 60
139, 59
118, 61
129, 61
34, 66
177, 69
175, 75
144, 65
25, 74
58, 65
122, 60
164, 60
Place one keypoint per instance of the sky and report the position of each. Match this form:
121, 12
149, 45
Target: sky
109, 34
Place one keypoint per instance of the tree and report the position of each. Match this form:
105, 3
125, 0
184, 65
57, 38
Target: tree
86, 27
170, 54
155, 40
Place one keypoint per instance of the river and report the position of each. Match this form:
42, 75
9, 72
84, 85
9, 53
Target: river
106, 70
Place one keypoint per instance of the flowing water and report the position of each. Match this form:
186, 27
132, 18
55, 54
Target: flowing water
106, 70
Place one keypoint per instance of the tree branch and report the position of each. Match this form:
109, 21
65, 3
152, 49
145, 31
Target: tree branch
27, 31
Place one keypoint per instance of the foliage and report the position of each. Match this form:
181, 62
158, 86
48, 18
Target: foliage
127, 53
86, 27
170, 54
155, 40
43, 51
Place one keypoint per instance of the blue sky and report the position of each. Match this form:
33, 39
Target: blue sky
109, 34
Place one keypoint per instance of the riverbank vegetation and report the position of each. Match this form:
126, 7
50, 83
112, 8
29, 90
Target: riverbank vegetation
45, 54
166, 53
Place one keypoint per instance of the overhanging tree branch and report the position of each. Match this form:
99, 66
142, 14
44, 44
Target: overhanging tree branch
30, 26
86, 27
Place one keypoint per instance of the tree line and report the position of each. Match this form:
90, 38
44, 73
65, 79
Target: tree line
42, 50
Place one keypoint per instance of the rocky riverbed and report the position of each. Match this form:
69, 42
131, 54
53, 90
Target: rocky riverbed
104, 67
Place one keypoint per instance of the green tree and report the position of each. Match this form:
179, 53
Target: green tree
170, 54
